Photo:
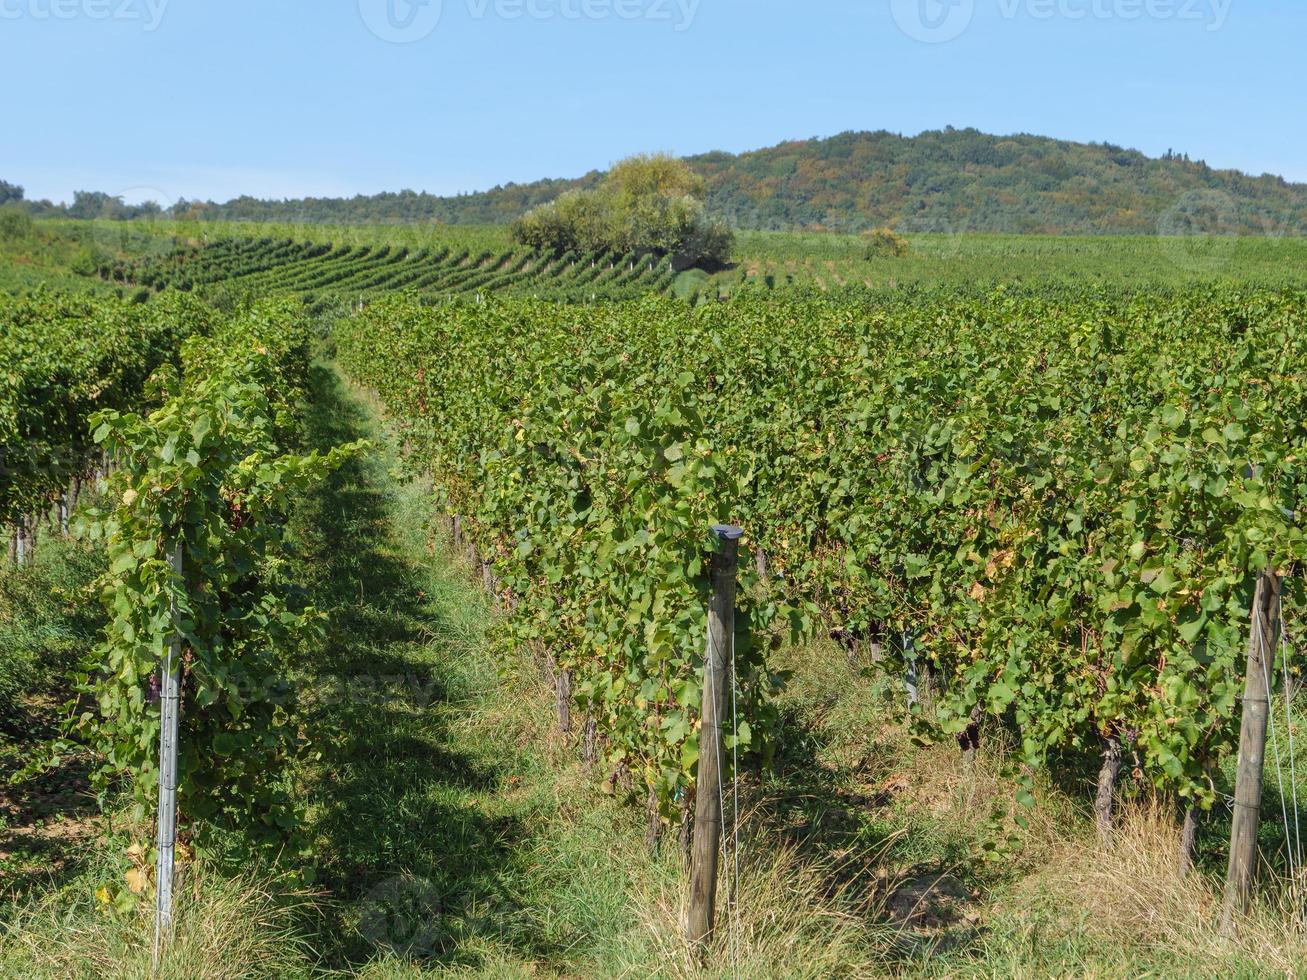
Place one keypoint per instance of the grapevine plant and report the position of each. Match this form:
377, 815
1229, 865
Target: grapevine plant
64, 359
208, 475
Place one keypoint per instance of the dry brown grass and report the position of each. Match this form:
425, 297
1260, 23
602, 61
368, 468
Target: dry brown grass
978, 800
226, 929
787, 921
1130, 895
1050, 900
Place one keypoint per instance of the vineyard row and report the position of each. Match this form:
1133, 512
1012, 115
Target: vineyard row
1055, 508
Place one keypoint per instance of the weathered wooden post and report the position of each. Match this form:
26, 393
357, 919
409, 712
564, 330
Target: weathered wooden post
563, 697
706, 847
1105, 798
169, 724
1188, 839
1262, 640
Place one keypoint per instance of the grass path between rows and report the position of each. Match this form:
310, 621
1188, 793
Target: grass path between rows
450, 830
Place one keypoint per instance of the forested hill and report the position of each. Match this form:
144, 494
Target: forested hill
965, 180
950, 180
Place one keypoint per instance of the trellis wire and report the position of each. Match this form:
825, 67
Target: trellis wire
1275, 741
169, 718
733, 878
735, 819
1286, 648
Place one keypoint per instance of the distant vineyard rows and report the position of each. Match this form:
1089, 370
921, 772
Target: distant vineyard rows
327, 274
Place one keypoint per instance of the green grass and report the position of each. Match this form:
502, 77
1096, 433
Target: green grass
58, 254
967, 259
414, 799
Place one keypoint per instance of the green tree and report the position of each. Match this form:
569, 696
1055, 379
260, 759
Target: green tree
648, 204
93, 204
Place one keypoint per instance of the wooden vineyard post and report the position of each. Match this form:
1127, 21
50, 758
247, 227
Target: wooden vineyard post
563, 697
1262, 640
169, 724
1105, 798
708, 802
1188, 839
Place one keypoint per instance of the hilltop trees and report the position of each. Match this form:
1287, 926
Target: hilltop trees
97, 205
648, 204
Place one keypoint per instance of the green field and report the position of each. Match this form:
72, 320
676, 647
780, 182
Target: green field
1112, 261
337, 263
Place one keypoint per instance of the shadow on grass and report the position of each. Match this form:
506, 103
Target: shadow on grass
407, 849
48, 621
841, 811
46, 823
900, 830
840, 768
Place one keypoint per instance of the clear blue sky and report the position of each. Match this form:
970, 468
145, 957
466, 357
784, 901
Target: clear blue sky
205, 99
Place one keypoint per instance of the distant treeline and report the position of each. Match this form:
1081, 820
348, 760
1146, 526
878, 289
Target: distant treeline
949, 181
